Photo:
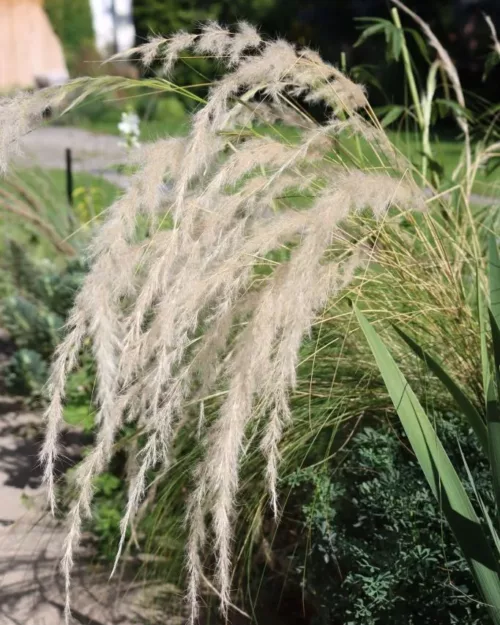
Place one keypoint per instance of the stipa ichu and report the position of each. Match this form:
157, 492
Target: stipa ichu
174, 306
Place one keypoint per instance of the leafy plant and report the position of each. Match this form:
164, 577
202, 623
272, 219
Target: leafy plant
33, 316
25, 374
375, 546
72, 22
31, 326
109, 500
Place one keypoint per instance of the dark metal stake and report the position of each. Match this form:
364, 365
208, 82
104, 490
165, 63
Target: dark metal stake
69, 176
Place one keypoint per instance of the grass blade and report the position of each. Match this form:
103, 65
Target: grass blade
463, 402
485, 358
494, 274
493, 412
492, 403
439, 472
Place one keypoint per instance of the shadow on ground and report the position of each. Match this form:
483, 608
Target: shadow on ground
32, 590
21, 435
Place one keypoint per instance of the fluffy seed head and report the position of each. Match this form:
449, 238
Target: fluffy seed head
176, 304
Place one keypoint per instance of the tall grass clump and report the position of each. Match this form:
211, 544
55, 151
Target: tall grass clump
476, 534
202, 290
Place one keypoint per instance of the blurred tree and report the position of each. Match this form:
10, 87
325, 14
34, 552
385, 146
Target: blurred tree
332, 27
164, 16
72, 22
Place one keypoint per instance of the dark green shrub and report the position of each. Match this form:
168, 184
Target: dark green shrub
25, 374
31, 326
163, 109
96, 111
108, 506
34, 318
380, 552
42, 282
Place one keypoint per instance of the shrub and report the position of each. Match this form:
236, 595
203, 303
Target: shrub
34, 314
25, 374
376, 548
169, 109
31, 326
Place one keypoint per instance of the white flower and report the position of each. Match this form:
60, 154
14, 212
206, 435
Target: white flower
129, 128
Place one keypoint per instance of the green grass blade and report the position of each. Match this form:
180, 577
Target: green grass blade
493, 416
494, 275
493, 411
485, 358
495, 339
439, 472
484, 508
463, 402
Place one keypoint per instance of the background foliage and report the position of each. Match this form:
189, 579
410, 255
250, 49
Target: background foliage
374, 537
332, 27
72, 22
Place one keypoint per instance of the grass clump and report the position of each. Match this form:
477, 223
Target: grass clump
216, 301
236, 315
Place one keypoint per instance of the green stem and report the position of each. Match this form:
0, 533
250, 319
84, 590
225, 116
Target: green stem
409, 70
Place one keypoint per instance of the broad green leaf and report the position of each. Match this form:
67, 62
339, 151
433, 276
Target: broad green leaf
397, 44
370, 31
492, 60
479, 499
492, 403
421, 43
463, 402
493, 417
439, 472
495, 339
451, 105
494, 275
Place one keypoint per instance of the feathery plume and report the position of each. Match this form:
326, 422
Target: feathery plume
494, 33
174, 305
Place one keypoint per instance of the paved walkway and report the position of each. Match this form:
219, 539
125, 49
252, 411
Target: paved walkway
94, 153
31, 588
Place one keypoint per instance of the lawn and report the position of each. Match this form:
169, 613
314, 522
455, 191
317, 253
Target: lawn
40, 197
446, 150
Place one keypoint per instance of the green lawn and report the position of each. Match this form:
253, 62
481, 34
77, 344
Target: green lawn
446, 152
150, 130
32, 196
50, 184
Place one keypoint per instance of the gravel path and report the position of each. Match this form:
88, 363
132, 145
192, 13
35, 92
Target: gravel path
93, 153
